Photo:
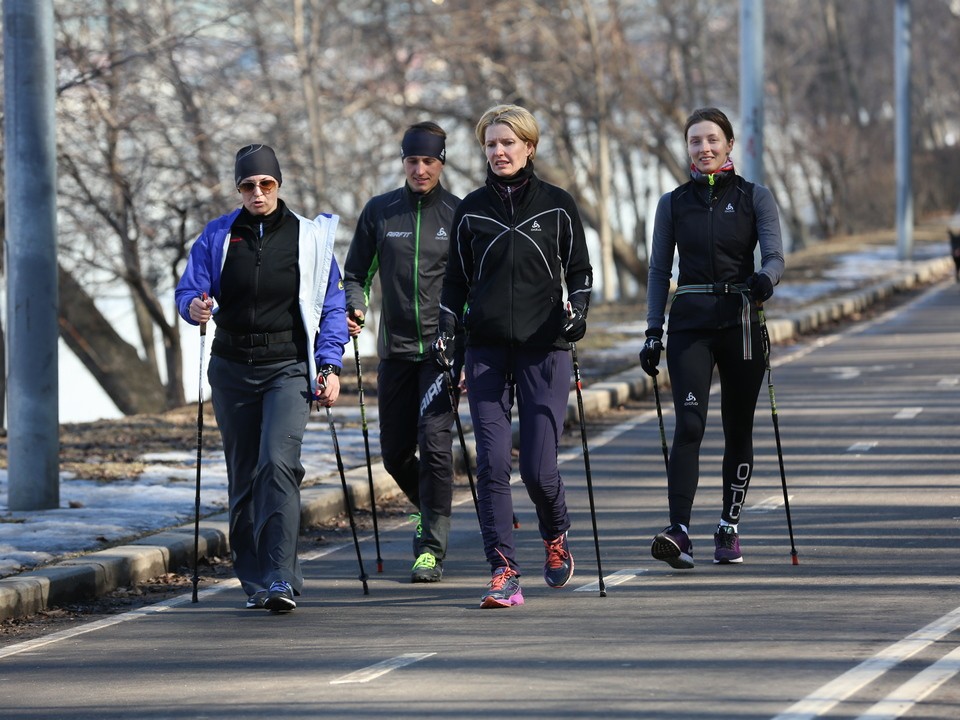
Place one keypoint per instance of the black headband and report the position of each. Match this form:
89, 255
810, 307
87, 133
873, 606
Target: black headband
423, 143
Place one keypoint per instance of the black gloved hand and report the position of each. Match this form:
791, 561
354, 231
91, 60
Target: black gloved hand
442, 350
650, 353
761, 288
575, 326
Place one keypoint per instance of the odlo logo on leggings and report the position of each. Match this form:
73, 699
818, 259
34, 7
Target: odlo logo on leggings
690, 400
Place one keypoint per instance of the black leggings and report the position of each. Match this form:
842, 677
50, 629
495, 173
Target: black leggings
691, 357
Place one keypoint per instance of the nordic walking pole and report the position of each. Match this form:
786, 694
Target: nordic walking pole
663, 435
366, 447
448, 379
196, 509
586, 458
765, 337
346, 495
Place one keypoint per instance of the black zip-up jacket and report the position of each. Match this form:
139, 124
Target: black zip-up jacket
406, 237
508, 261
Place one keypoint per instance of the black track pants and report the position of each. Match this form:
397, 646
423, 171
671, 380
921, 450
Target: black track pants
415, 415
691, 357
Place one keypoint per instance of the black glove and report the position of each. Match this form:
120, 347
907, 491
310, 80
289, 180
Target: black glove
650, 353
575, 325
761, 288
442, 351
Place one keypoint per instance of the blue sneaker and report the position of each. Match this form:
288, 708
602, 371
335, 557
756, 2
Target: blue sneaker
558, 568
673, 546
280, 598
504, 589
727, 543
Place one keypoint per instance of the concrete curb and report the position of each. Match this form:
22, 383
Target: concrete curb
99, 573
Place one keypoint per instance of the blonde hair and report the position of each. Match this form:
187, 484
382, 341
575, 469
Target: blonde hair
518, 119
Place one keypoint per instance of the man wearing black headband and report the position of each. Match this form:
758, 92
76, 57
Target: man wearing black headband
404, 235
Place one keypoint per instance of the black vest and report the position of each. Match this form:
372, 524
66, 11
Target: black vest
715, 230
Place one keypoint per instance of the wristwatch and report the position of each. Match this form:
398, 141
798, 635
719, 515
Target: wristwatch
328, 368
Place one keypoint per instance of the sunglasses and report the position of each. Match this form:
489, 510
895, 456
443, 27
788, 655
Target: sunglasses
266, 186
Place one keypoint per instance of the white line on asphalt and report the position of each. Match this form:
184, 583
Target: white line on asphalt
899, 702
144, 611
113, 620
908, 413
617, 578
769, 504
836, 691
381, 668
948, 382
864, 446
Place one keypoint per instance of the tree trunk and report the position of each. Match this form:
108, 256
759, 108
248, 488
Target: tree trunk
114, 363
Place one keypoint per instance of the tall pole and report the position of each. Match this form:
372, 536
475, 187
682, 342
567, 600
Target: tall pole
901, 81
33, 440
750, 146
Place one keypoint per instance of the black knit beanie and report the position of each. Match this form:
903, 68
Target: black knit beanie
257, 160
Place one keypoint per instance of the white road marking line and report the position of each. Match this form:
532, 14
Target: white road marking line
769, 504
859, 447
836, 691
381, 668
899, 702
113, 620
908, 413
948, 382
617, 578
147, 610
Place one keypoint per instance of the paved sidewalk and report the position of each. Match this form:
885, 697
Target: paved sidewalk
98, 573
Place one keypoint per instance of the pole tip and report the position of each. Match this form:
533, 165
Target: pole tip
379, 567
795, 559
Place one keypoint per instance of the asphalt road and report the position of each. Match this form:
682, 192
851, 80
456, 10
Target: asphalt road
866, 625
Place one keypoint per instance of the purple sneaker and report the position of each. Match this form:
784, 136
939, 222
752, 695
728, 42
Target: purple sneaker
727, 543
504, 589
673, 546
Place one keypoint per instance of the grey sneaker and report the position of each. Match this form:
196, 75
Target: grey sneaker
558, 568
727, 544
673, 546
427, 569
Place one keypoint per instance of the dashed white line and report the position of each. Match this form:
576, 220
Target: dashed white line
908, 413
617, 578
381, 668
864, 446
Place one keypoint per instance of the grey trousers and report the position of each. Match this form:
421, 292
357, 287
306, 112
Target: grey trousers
262, 412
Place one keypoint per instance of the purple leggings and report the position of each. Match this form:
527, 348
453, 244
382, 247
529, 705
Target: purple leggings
540, 380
